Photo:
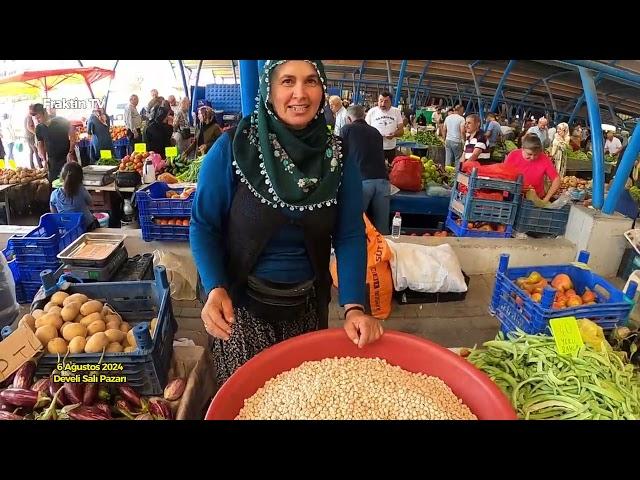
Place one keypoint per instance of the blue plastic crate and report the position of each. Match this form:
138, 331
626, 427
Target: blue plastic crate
151, 231
123, 142
514, 309
31, 272
532, 219
55, 232
146, 369
152, 201
476, 210
30, 290
224, 97
121, 152
476, 182
463, 231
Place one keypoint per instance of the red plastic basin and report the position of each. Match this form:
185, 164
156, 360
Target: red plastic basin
412, 353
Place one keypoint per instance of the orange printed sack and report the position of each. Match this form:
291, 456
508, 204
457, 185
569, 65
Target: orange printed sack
379, 278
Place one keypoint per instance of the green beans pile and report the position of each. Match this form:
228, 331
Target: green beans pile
542, 384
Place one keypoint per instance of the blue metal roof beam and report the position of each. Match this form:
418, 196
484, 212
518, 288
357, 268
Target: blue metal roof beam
403, 69
424, 70
496, 96
591, 97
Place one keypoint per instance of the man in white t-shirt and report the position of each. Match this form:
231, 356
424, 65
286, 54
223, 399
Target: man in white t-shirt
388, 121
613, 145
454, 134
340, 113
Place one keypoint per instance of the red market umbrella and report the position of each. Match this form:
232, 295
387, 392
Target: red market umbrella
36, 82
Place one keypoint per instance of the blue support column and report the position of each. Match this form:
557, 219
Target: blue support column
403, 68
624, 169
591, 97
184, 78
477, 85
580, 101
496, 96
357, 87
195, 89
424, 70
248, 85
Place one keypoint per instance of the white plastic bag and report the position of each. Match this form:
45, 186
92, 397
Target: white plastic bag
426, 269
181, 273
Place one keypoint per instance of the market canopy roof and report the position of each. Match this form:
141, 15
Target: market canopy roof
526, 80
36, 82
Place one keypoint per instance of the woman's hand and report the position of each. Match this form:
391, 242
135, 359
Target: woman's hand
361, 328
217, 314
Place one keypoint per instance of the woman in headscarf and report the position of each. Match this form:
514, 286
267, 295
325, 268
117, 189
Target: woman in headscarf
181, 127
157, 135
271, 201
98, 127
559, 148
207, 132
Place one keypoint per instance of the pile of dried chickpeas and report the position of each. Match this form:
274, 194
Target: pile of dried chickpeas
354, 389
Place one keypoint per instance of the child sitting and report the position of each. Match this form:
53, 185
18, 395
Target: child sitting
73, 197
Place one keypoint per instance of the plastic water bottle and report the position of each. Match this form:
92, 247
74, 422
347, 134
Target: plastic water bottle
396, 226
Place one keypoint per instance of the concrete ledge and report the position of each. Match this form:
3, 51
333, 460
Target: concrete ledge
481, 255
477, 255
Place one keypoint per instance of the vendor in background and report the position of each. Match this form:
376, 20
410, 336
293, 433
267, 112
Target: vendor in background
133, 121
339, 112
542, 131
388, 121
534, 165
453, 131
576, 138
155, 100
8, 135
492, 132
475, 147
364, 144
98, 127
173, 103
612, 145
181, 127
258, 235
207, 132
55, 141
559, 146
73, 197
157, 135
30, 137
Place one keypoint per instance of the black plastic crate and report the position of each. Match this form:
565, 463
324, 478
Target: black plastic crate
408, 296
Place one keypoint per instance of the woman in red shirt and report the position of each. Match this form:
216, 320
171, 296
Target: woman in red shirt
534, 165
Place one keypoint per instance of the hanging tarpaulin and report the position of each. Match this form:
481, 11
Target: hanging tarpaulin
38, 82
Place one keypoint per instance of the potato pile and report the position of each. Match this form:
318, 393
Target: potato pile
354, 389
77, 324
20, 175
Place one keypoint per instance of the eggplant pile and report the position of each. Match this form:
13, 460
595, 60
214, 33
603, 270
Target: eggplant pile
22, 398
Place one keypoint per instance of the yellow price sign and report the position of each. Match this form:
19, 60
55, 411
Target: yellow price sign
12, 164
171, 152
566, 333
2, 164
106, 154
140, 147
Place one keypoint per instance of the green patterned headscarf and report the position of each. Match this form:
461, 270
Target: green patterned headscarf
283, 167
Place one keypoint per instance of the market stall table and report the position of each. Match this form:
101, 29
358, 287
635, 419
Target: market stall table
419, 203
5, 190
